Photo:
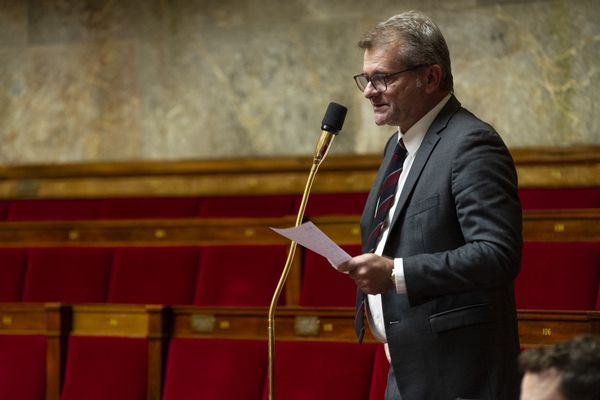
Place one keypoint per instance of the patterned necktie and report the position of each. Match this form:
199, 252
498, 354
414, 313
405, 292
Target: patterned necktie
387, 194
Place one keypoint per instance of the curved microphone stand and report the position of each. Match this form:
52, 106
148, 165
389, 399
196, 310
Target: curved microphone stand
331, 125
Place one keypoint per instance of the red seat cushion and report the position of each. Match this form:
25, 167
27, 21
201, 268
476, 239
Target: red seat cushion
559, 198
320, 204
13, 263
239, 275
100, 368
150, 207
4, 204
68, 275
247, 206
199, 369
154, 275
558, 275
22, 367
54, 209
322, 370
323, 286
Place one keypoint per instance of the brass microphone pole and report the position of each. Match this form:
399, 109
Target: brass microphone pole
330, 126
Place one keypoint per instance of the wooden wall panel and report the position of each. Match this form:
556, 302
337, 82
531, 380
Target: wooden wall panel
537, 167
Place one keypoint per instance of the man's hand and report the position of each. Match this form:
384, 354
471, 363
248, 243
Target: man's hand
370, 272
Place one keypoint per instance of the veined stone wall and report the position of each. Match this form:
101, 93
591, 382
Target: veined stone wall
102, 80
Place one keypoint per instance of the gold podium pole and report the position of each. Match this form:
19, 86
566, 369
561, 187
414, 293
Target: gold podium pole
336, 113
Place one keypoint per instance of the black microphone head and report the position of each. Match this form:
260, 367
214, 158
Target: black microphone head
334, 117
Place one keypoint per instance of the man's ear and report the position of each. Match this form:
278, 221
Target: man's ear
433, 78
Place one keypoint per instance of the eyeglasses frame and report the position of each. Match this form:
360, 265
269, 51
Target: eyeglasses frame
384, 77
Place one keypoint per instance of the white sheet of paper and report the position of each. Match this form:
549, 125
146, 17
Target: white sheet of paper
311, 237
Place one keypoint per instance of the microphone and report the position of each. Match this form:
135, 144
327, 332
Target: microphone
332, 123
330, 127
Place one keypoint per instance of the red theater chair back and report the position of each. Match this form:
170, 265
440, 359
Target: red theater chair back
247, 206
67, 275
100, 368
239, 275
322, 370
22, 367
322, 285
199, 369
558, 276
54, 210
154, 275
13, 264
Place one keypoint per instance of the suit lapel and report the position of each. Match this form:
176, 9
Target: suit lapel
429, 141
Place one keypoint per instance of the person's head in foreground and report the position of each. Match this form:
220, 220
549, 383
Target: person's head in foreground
565, 371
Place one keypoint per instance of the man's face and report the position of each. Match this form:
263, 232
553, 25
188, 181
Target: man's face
399, 104
541, 386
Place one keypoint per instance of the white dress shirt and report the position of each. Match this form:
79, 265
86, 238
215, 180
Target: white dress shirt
412, 141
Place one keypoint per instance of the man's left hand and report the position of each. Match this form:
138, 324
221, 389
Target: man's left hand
370, 272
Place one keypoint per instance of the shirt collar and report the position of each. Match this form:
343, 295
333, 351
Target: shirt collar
414, 135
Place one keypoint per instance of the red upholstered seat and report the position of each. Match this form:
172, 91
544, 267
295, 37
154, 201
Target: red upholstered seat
54, 209
67, 275
239, 275
320, 204
199, 369
322, 370
3, 209
247, 206
13, 263
559, 198
22, 367
150, 207
323, 286
101, 368
153, 275
562, 276
381, 367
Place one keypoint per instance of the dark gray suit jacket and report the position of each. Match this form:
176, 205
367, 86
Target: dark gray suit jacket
458, 229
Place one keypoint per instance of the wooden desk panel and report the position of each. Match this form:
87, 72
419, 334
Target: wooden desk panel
542, 225
536, 327
536, 167
540, 327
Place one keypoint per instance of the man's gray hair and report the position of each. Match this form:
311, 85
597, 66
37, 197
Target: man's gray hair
421, 39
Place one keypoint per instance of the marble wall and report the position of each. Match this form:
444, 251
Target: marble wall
104, 80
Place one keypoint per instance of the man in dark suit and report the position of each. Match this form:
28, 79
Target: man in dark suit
441, 229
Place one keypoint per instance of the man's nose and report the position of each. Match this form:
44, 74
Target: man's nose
370, 91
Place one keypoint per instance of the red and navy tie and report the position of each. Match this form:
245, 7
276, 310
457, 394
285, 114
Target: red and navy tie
387, 194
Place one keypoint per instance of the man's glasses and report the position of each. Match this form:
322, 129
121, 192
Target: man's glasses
379, 81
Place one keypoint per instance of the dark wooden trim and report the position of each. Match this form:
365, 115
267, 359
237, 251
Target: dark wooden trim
540, 327
537, 167
546, 225
536, 327
522, 156
41, 319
